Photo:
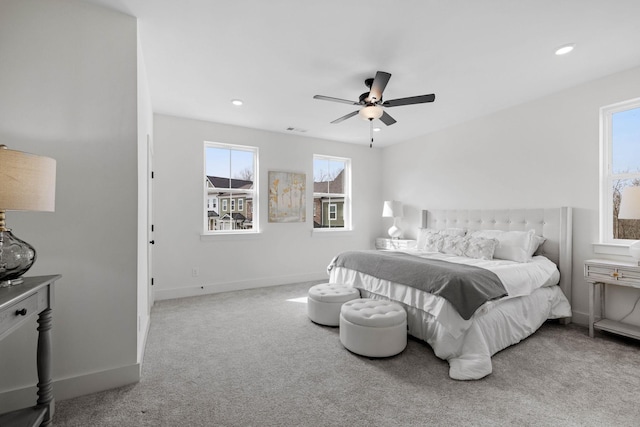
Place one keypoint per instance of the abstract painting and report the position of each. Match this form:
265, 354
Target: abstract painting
287, 197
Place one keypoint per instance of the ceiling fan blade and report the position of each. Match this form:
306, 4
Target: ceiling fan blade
410, 100
378, 85
330, 98
345, 117
387, 119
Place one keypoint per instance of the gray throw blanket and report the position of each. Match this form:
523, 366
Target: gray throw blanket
466, 287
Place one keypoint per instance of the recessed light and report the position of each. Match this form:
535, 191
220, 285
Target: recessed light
564, 49
377, 129
237, 102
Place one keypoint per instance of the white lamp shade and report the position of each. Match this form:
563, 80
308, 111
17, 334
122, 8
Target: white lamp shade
630, 203
27, 182
371, 112
392, 209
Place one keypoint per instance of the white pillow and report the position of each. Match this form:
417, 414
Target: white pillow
513, 245
480, 248
536, 243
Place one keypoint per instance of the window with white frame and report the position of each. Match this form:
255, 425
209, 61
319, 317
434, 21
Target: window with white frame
231, 177
620, 168
331, 192
333, 211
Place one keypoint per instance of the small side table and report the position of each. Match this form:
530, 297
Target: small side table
599, 273
17, 305
386, 243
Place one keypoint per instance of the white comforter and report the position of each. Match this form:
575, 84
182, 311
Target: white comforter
469, 344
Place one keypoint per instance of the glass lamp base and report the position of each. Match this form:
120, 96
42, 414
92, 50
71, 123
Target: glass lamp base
16, 257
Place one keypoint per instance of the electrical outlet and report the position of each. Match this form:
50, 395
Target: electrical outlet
195, 272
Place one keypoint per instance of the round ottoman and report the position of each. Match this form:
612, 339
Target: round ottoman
373, 328
324, 302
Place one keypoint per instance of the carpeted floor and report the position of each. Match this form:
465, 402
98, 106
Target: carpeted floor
252, 358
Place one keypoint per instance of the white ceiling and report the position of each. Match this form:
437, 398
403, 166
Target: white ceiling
476, 56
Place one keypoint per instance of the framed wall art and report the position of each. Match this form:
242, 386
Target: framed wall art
287, 197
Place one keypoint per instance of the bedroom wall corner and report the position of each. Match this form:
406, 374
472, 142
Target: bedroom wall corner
69, 92
145, 158
282, 252
544, 153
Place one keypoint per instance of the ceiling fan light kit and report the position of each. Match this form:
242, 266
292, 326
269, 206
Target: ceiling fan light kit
371, 112
372, 104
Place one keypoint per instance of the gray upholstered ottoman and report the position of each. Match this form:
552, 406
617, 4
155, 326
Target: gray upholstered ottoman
373, 328
324, 302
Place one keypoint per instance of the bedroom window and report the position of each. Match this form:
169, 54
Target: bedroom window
231, 178
620, 168
331, 192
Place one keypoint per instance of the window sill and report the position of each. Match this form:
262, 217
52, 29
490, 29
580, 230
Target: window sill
618, 249
230, 236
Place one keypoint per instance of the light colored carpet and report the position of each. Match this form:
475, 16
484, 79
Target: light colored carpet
252, 358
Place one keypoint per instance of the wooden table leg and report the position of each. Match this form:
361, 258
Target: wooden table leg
45, 385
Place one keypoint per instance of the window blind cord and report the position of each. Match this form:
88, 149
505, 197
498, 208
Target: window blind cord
632, 310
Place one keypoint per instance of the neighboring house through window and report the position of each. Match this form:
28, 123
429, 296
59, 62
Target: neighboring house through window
620, 167
230, 182
331, 192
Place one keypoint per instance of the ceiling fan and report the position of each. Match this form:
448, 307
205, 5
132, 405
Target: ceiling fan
372, 101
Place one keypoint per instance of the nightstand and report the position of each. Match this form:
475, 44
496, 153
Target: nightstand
395, 244
598, 272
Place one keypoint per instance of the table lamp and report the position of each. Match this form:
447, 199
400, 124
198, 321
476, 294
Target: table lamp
630, 209
393, 209
27, 183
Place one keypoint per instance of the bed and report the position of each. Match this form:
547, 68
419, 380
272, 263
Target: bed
536, 289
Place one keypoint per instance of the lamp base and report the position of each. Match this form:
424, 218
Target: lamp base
16, 257
14, 282
395, 232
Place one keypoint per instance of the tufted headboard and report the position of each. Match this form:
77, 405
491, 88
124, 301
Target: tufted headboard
553, 224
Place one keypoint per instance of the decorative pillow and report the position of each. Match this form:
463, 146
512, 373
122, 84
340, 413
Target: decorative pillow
424, 232
481, 248
433, 242
422, 237
513, 245
454, 245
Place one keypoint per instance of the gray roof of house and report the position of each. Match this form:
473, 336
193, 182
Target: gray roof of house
222, 182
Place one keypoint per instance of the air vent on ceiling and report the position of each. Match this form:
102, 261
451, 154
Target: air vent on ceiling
292, 129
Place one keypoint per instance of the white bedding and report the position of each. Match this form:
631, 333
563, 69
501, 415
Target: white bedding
469, 344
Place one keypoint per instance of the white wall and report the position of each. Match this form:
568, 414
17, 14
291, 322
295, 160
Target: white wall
281, 253
68, 91
540, 154
145, 141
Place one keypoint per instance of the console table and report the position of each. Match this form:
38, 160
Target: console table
17, 305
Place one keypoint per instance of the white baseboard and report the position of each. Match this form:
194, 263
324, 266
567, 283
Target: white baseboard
191, 291
580, 318
72, 387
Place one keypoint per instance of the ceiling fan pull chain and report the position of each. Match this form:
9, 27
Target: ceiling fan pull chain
371, 132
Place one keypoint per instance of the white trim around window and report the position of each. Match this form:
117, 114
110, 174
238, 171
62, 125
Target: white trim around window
607, 243
238, 158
